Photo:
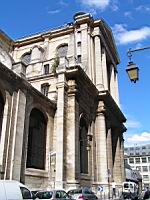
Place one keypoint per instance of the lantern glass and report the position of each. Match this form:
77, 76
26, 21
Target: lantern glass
133, 72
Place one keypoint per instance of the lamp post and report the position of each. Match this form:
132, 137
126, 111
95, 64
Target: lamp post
132, 70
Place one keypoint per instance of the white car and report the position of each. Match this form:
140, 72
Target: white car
14, 190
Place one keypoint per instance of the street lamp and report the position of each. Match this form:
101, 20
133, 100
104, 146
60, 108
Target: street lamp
132, 69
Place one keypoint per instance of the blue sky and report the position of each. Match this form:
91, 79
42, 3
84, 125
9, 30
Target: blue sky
130, 24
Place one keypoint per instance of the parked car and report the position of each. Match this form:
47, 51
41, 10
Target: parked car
82, 194
53, 195
14, 190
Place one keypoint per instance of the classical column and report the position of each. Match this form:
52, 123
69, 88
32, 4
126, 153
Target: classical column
14, 154
122, 157
117, 173
98, 63
101, 148
109, 154
60, 128
5, 133
72, 137
104, 69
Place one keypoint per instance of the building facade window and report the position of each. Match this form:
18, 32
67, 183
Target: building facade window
45, 89
79, 44
131, 160
46, 69
36, 140
137, 160
26, 58
149, 159
138, 168
131, 154
145, 168
145, 178
144, 160
79, 59
62, 50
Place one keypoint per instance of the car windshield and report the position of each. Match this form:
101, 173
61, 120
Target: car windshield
44, 195
71, 192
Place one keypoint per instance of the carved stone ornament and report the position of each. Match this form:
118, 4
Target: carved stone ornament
5, 58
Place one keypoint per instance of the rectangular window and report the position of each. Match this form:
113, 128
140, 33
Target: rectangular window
46, 69
144, 168
79, 44
137, 148
131, 160
45, 89
145, 178
131, 148
143, 147
144, 160
138, 168
137, 160
149, 159
78, 58
137, 153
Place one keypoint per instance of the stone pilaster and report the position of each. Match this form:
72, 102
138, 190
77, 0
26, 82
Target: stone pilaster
109, 154
72, 137
101, 152
112, 83
116, 88
98, 63
104, 69
84, 44
60, 128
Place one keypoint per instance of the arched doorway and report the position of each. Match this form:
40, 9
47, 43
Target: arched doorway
2, 103
36, 140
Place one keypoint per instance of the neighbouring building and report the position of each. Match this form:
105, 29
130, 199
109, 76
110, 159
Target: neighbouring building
138, 157
60, 122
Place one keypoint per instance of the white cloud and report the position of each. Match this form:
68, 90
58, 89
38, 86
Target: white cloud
123, 36
100, 4
53, 11
128, 14
143, 8
133, 124
138, 139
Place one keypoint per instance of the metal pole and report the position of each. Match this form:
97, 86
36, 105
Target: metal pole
139, 49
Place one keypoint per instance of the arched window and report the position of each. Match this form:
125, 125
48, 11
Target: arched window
36, 140
62, 50
83, 147
1, 111
26, 58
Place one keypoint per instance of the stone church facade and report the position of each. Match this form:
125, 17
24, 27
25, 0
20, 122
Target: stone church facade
60, 122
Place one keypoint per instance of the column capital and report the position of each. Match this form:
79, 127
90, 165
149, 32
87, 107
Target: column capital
101, 108
72, 87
